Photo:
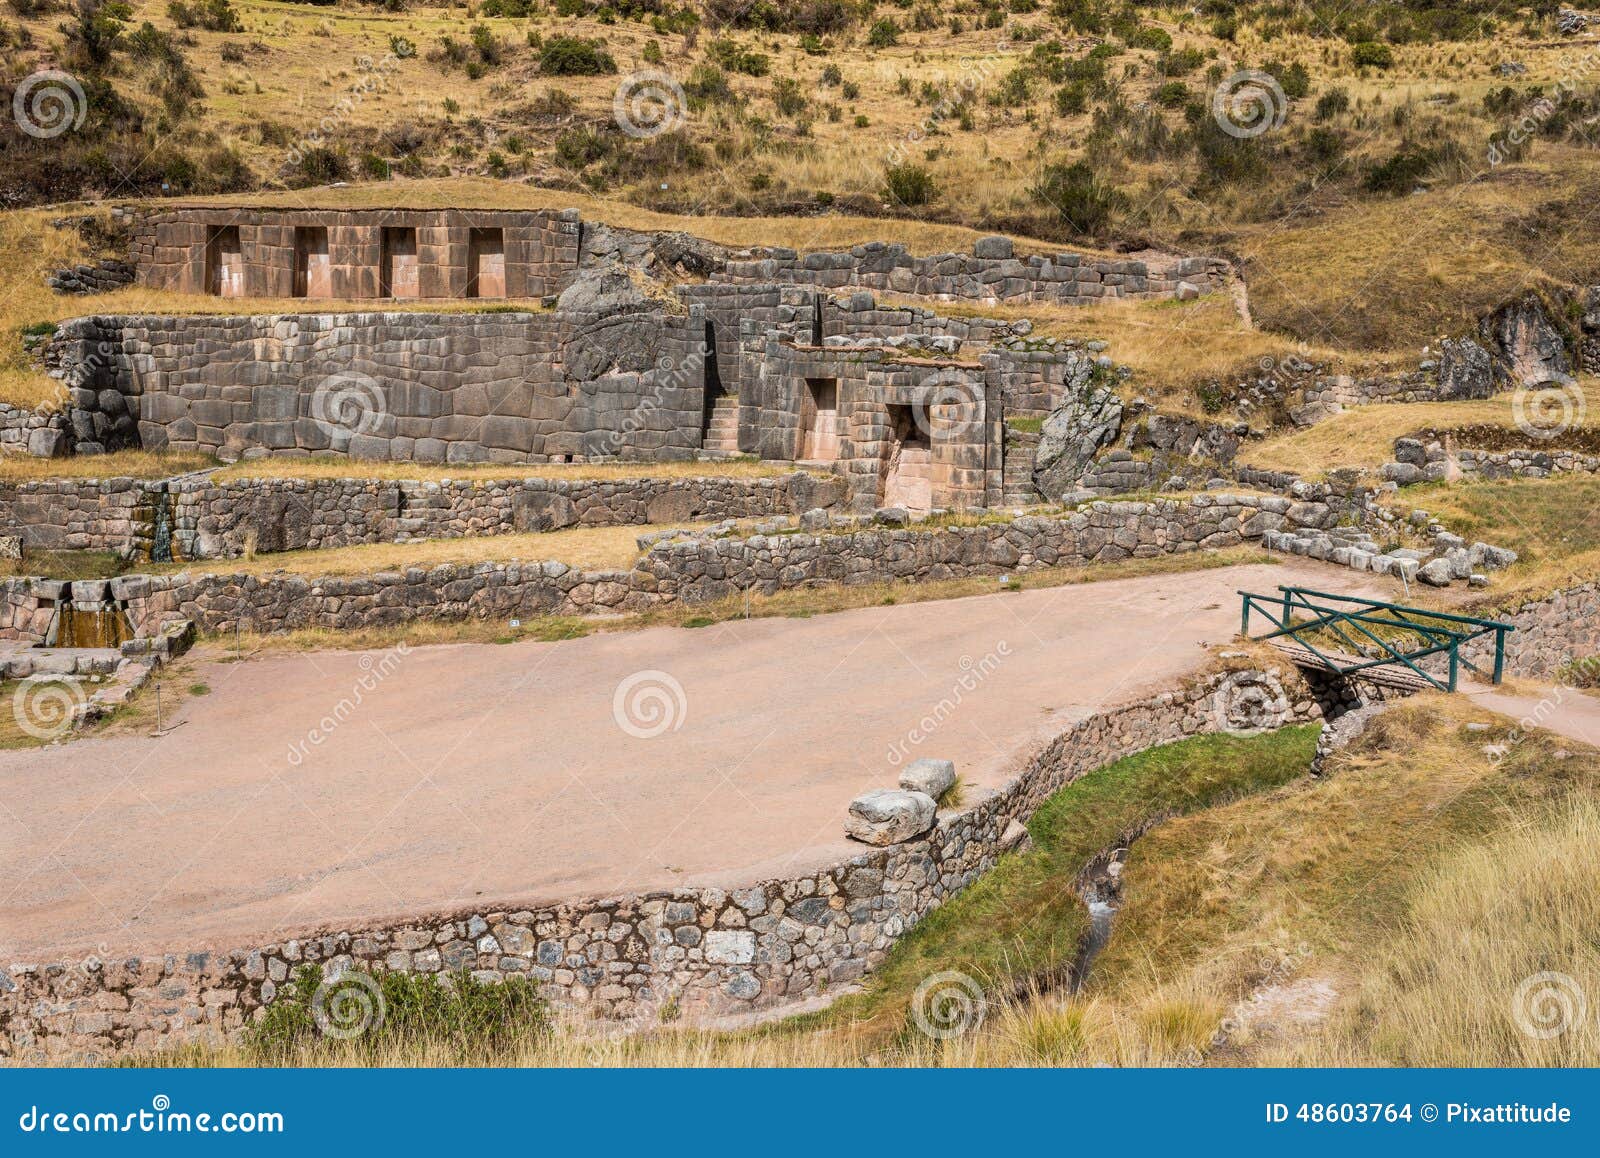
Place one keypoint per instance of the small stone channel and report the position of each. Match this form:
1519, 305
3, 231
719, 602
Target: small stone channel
1100, 889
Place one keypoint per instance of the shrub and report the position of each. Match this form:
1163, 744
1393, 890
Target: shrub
735, 58
1293, 79
1371, 54
1401, 172
1151, 37
909, 184
1182, 62
1324, 145
1172, 95
212, 15
574, 56
1082, 201
884, 34
1072, 99
321, 165
1331, 103
788, 96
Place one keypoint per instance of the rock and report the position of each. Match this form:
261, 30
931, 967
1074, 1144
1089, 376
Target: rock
1436, 573
1072, 435
929, 777
1513, 68
892, 516
889, 816
1465, 371
542, 511
1571, 23
1528, 349
607, 290
1187, 291
993, 247
1403, 473
1015, 837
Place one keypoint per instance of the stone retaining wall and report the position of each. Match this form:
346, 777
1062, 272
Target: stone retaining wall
991, 273
702, 950
1419, 460
483, 387
1550, 633
693, 570
211, 519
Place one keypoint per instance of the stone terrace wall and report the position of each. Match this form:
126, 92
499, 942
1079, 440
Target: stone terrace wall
695, 570
990, 273
211, 519
491, 387
709, 950
168, 248
1550, 632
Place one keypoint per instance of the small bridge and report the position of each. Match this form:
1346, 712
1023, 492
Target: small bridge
1381, 642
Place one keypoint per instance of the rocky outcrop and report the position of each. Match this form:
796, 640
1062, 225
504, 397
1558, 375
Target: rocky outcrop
1466, 370
1075, 432
889, 816
1527, 348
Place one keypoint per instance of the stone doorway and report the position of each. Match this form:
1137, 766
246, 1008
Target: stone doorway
224, 262
398, 273
820, 426
313, 274
486, 264
908, 462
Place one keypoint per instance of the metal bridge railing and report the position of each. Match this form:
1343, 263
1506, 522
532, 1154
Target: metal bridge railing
1401, 636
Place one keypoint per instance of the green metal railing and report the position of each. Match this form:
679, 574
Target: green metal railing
1401, 635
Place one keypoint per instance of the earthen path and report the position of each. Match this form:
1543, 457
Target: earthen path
334, 788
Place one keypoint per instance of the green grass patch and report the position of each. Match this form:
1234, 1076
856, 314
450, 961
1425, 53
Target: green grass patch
70, 564
1026, 425
373, 1015
1023, 922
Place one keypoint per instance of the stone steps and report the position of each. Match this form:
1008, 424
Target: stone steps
722, 433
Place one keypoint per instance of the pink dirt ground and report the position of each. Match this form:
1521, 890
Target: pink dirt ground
477, 775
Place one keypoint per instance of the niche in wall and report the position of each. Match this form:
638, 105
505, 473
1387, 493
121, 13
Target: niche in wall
397, 276
486, 264
224, 262
313, 275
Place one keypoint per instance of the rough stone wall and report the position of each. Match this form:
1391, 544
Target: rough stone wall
168, 247
1550, 633
727, 308
992, 273
1034, 376
214, 520
694, 570
489, 387
40, 433
705, 950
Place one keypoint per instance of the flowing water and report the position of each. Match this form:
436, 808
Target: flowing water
91, 627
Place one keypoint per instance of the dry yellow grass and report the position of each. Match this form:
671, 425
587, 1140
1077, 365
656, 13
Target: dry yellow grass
123, 464
1363, 436
738, 468
593, 548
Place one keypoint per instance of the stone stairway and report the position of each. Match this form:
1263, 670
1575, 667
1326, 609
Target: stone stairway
722, 434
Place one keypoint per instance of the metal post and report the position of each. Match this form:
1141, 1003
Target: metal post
1499, 653
1244, 617
1455, 659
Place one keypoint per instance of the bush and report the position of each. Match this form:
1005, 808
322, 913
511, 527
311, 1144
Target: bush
1293, 80
909, 184
1401, 172
788, 96
1324, 145
1331, 103
1371, 54
415, 1007
1082, 201
574, 56
321, 165
1151, 37
1174, 94
212, 15
884, 34
735, 58
1182, 62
